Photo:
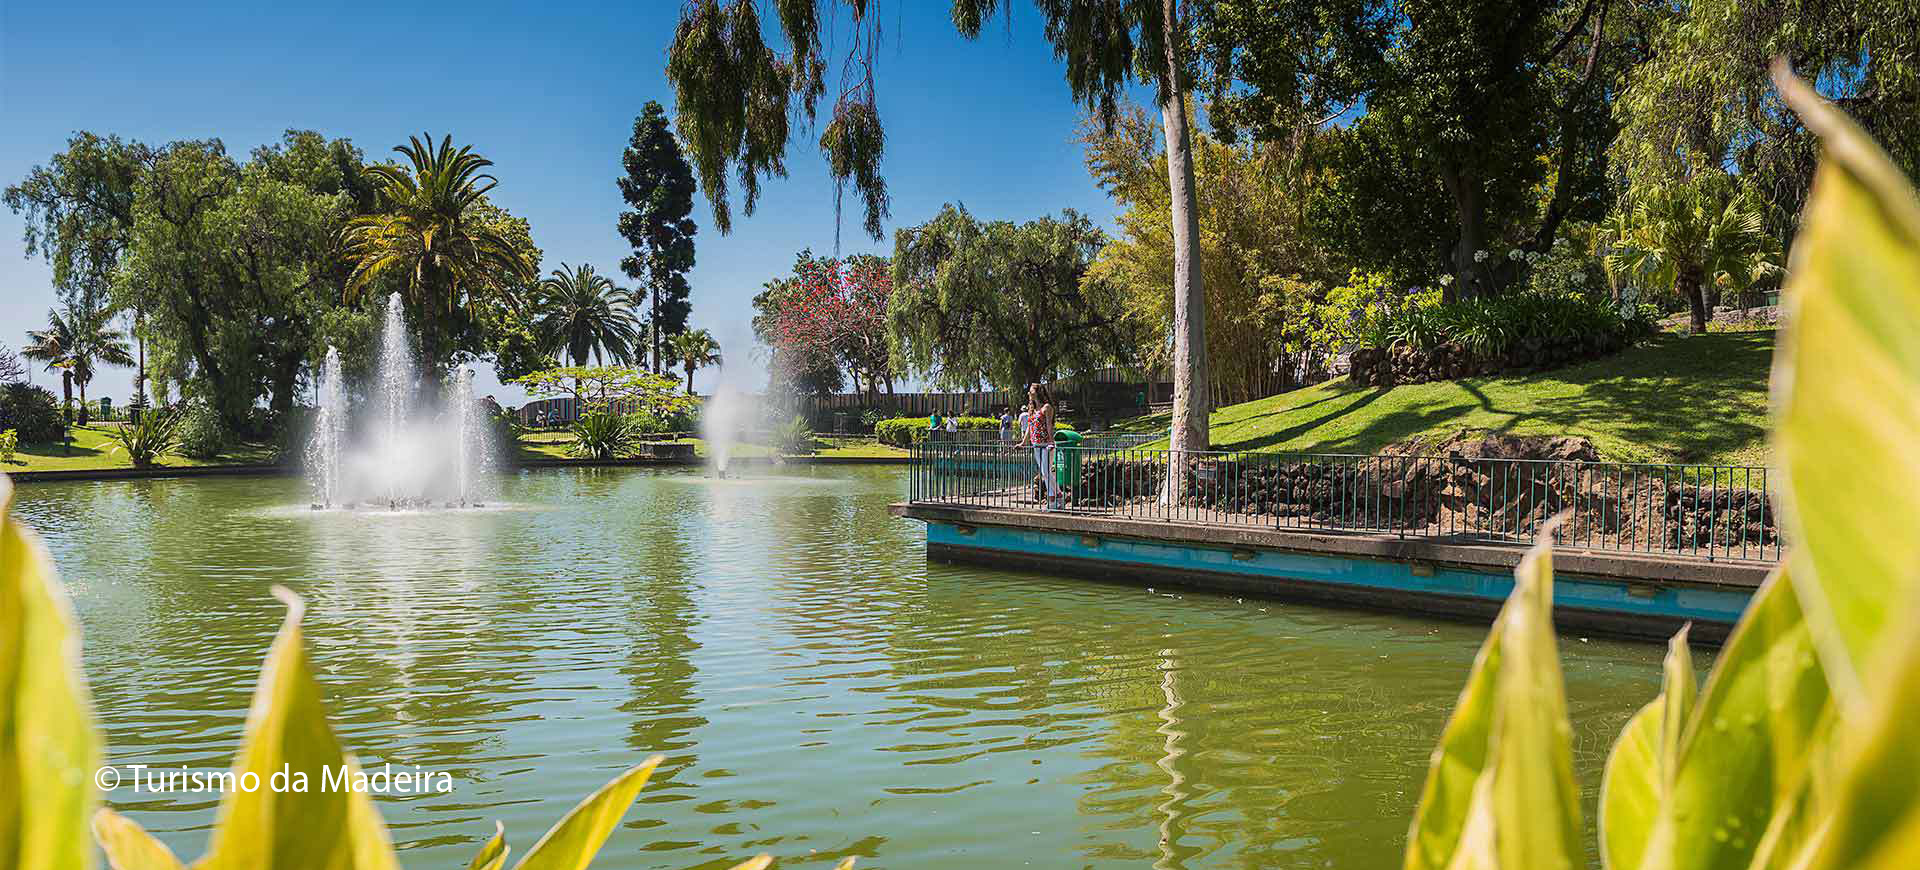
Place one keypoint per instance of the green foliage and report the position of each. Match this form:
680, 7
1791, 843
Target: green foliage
601, 434
658, 189
693, 349
156, 434
907, 431
1003, 303
1686, 238
621, 388
32, 412
435, 232
77, 341
201, 434
1490, 328
48, 745
794, 438
1799, 750
9, 442
582, 313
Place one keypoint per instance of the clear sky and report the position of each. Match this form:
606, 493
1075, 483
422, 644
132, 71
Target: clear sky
549, 93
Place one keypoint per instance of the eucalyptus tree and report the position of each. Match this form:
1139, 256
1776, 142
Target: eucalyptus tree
1003, 303
694, 349
583, 313
431, 231
78, 214
658, 189
736, 97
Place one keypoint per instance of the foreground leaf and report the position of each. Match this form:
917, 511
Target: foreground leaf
129, 846
270, 829
1631, 790
1747, 750
1847, 397
1874, 820
573, 841
493, 853
48, 746
1500, 790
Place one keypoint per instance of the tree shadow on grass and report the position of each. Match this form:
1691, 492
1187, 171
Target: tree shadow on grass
1688, 399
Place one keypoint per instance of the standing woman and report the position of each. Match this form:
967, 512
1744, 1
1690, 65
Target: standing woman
1042, 402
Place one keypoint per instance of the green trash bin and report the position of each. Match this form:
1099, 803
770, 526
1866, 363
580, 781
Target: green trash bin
1066, 463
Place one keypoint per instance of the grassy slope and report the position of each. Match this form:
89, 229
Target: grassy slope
1677, 399
94, 447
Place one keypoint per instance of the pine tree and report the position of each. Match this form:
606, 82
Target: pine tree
658, 185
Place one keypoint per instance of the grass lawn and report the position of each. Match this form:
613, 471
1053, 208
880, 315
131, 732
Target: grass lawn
94, 447
1676, 399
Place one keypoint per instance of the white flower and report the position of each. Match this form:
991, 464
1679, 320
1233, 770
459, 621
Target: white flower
1446, 280
1516, 254
1479, 256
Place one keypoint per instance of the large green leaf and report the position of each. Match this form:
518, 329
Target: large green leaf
1500, 790
1645, 760
1874, 819
1745, 750
129, 846
48, 746
1847, 398
1536, 800
572, 842
493, 853
1456, 764
1631, 790
271, 829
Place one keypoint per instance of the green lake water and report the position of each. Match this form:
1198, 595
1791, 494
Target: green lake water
818, 688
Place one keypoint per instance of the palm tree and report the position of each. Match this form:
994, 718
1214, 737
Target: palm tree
583, 313
76, 341
693, 349
431, 229
1689, 236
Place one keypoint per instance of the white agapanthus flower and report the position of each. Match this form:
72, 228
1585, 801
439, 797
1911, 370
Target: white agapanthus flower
1479, 256
1446, 280
1516, 254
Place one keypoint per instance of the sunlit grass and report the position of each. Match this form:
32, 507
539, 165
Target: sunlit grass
1675, 399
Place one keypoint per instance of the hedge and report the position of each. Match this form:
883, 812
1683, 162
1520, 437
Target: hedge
903, 431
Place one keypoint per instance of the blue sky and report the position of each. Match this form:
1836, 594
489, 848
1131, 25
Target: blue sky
549, 93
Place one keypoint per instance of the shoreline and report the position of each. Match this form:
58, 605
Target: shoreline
276, 470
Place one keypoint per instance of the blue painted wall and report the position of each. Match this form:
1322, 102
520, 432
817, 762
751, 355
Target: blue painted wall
1695, 603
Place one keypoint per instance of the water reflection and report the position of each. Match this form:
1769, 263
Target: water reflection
819, 689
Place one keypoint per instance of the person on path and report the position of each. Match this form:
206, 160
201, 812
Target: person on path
1006, 425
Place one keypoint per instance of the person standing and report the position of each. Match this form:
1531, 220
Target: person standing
953, 425
1042, 402
1006, 425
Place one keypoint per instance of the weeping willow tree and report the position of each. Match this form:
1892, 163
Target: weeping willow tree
737, 98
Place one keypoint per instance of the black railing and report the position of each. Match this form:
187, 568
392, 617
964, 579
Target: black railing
1710, 511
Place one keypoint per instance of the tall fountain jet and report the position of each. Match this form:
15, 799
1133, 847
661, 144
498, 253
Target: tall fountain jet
329, 428
409, 455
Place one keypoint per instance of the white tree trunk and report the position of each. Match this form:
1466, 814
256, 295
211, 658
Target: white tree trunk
1191, 396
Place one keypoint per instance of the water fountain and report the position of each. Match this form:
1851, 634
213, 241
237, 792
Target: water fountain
413, 455
720, 425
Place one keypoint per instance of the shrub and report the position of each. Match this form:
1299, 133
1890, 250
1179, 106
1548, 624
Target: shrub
157, 433
794, 437
201, 434
870, 418
9, 440
605, 435
906, 431
32, 412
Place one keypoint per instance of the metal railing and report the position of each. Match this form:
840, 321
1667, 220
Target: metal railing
1707, 511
